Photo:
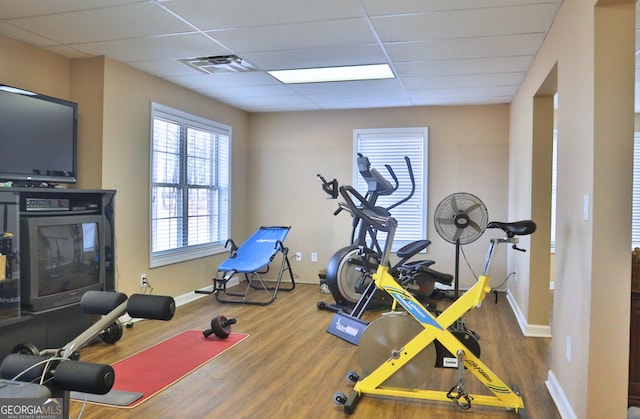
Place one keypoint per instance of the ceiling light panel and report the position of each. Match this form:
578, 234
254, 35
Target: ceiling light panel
332, 74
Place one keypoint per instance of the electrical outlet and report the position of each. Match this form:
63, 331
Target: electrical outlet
298, 256
314, 256
143, 281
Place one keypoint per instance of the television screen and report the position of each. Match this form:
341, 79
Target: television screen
68, 257
62, 257
38, 136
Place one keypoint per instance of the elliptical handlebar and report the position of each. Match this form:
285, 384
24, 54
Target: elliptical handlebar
367, 213
376, 183
330, 188
413, 184
394, 177
364, 209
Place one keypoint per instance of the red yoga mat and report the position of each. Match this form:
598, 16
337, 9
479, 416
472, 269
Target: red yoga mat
152, 370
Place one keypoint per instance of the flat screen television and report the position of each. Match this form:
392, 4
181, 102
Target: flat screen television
61, 259
38, 138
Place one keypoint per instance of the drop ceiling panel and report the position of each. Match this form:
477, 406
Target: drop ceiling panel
165, 68
364, 88
377, 7
68, 51
355, 104
10, 9
496, 46
230, 80
124, 22
272, 104
489, 80
317, 57
457, 101
462, 93
156, 48
209, 15
465, 23
463, 66
267, 90
16, 32
331, 33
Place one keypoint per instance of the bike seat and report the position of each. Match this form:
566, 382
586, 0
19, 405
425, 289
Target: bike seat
413, 248
416, 265
421, 267
517, 228
440, 277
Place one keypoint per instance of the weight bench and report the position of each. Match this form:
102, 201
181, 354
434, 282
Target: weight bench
252, 259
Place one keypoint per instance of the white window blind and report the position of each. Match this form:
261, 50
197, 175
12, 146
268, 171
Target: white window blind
390, 146
190, 186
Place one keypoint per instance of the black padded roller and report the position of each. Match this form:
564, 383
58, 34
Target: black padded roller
86, 377
156, 307
101, 302
14, 364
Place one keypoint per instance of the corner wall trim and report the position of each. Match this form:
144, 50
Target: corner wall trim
530, 330
558, 396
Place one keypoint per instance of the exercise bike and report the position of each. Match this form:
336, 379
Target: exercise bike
397, 351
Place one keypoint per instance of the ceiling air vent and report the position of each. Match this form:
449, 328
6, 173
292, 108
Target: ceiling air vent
218, 64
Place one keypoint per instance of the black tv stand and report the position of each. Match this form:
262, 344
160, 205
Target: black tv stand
52, 328
31, 184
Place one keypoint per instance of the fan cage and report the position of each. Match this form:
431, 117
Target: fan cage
461, 218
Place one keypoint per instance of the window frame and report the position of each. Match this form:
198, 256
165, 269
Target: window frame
187, 252
395, 158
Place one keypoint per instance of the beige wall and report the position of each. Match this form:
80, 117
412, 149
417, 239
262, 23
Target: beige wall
113, 147
88, 90
125, 167
593, 48
468, 152
34, 69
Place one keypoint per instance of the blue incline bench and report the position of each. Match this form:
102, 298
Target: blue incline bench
252, 259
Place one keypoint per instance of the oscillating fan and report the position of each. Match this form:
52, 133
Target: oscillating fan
460, 218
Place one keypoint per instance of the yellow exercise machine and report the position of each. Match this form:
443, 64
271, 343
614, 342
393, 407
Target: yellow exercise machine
396, 348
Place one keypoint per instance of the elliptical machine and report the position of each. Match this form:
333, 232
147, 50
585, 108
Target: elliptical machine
347, 267
348, 273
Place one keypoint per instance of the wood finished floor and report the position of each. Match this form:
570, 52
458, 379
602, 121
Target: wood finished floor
290, 367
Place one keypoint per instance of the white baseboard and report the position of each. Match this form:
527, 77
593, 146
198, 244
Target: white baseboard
552, 384
559, 398
183, 299
531, 330
192, 296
